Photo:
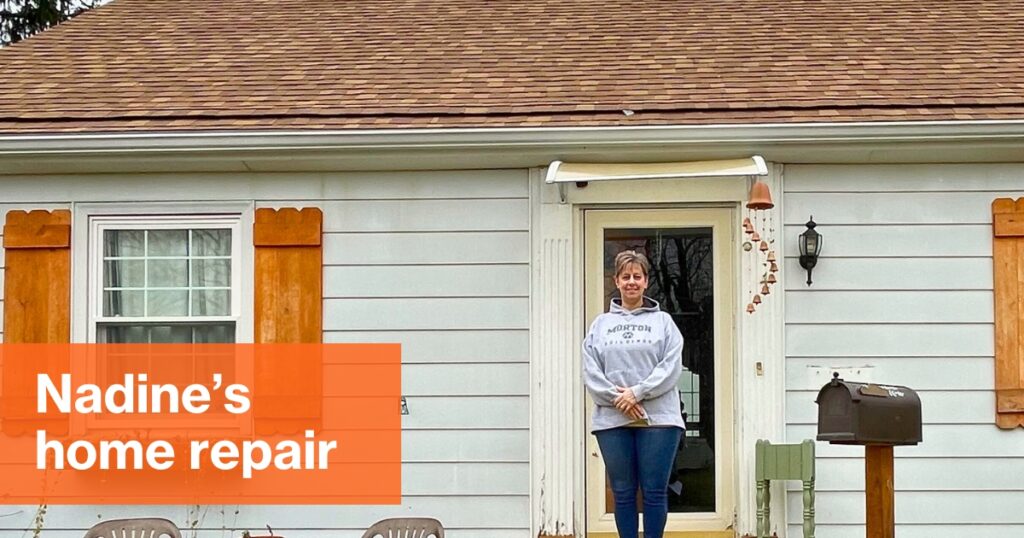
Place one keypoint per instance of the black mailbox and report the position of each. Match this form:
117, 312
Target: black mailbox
851, 413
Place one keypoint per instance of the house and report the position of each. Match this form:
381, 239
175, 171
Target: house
425, 133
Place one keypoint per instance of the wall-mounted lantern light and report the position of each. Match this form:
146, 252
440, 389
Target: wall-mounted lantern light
810, 248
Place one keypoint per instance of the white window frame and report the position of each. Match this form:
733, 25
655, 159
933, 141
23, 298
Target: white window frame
89, 222
99, 225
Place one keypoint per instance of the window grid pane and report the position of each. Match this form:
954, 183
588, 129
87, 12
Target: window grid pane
168, 263
206, 333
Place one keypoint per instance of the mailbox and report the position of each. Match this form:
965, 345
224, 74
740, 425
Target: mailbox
851, 413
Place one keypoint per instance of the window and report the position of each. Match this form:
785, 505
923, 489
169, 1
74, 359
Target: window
165, 279
173, 279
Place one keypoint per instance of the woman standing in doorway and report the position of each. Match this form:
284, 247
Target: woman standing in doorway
631, 365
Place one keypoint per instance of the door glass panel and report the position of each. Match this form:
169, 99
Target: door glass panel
682, 281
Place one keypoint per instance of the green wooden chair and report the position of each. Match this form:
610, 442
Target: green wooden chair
783, 462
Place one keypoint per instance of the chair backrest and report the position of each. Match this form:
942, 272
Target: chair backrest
146, 527
406, 527
784, 462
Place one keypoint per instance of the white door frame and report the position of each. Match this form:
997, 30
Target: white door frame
722, 221
557, 436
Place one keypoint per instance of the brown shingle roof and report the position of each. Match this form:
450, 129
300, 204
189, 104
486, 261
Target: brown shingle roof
228, 64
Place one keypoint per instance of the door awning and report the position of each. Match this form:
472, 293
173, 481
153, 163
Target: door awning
563, 172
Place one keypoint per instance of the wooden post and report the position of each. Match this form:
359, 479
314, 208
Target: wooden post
881, 518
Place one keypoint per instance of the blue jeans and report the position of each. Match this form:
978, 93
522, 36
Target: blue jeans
639, 457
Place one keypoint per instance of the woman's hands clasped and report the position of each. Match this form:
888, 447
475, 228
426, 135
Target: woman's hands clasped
626, 402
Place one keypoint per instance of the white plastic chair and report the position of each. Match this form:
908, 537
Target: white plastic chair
406, 527
144, 527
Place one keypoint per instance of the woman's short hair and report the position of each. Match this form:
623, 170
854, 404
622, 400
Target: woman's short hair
627, 257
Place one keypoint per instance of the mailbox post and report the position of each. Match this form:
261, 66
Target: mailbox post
877, 417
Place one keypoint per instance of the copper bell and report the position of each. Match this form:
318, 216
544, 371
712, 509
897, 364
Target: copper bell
765, 290
775, 267
760, 197
757, 299
771, 279
764, 246
771, 256
747, 226
750, 308
755, 237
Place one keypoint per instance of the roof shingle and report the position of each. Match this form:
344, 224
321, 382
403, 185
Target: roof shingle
194, 64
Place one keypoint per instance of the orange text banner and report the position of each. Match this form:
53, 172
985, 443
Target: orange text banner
200, 423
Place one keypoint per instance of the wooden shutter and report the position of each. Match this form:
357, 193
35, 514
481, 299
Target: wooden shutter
1008, 282
289, 310
37, 308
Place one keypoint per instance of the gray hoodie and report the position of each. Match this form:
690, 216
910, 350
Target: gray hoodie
640, 349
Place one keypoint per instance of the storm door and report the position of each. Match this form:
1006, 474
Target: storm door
692, 278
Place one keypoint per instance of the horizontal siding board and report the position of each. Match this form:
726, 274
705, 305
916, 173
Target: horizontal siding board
465, 379
937, 407
921, 373
226, 531
892, 274
497, 379
888, 340
448, 533
466, 479
919, 474
426, 248
940, 241
919, 507
996, 177
425, 215
918, 531
427, 281
889, 307
479, 445
268, 186
893, 207
450, 446
478, 511
446, 346
939, 441
464, 412
426, 313
427, 184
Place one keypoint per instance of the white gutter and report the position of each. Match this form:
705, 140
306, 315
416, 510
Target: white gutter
946, 131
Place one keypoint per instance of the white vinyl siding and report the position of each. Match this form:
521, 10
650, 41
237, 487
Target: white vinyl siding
449, 278
903, 295
438, 261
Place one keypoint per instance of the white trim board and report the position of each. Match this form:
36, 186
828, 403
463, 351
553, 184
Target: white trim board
426, 149
81, 267
556, 323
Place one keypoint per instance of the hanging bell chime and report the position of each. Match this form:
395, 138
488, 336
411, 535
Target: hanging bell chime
760, 197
